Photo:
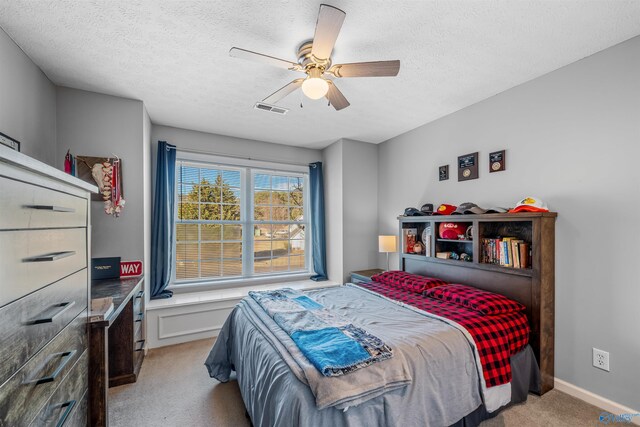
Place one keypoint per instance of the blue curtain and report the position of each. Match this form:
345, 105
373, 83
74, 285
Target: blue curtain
162, 221
319, 244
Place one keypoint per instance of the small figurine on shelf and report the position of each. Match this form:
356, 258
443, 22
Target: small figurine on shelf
418, 247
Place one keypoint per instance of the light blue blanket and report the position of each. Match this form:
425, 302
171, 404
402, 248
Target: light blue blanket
331, 343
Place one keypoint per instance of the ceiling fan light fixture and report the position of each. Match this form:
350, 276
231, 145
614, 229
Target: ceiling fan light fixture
314, 86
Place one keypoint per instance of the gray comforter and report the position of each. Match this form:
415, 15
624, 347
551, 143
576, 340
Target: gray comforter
433, 379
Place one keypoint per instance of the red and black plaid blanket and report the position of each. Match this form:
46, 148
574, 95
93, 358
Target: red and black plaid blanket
497, 337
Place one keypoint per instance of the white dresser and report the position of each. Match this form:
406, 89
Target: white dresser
44, 289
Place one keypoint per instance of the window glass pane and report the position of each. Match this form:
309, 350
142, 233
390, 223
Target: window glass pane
261, 266
262, 197
186, 232
297, 262
232, 250
210, 231
210, 175
279, 183
187, 211
262, 214
232, 232
295, 198
210, 212
187, 251
296, 231
280, 248
280, 231
231, 212
262, 181
296, 214
262, 249
211, 268
209, 194
211, 250
189, 175
297, 247
231, 178
280, 264
280, 214
186, 270
262, 232
280, 198
229, 195
296, 183
232, 267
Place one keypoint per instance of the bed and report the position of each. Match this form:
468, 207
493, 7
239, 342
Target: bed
449, 382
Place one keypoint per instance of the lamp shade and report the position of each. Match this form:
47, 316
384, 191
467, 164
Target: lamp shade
387, 243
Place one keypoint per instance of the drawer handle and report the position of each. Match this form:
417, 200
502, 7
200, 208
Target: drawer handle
139, 294
51, 257
140, 317
68, 408
141, 342
65, 358
57, 310
51, 208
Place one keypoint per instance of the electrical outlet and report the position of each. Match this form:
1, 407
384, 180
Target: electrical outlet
601, 359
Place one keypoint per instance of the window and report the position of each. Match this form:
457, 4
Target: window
234, 222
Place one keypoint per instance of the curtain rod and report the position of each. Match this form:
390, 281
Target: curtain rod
188, 150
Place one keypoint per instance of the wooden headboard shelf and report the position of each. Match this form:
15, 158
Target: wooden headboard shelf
533, 287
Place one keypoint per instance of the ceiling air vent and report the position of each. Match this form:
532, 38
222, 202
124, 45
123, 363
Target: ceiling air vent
271, 108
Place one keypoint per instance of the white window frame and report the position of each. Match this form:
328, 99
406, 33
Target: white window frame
248, 170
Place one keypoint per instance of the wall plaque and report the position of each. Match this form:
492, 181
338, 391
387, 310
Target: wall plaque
497, 161
468, 167
443, 173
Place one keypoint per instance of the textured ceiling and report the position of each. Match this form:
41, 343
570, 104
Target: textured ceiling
173, 55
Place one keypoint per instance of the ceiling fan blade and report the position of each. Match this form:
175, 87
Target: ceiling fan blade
328, 26
282, 92
237, 52
366, 69
336, 98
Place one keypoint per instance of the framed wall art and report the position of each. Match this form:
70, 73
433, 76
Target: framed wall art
443, 173
497, 161
468, 167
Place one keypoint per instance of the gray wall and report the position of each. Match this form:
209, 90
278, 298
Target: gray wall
92, 124
351, 197
573, 139
28, 106
333, 205
147, 191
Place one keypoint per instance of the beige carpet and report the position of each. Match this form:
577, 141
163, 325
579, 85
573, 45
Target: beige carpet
174, 389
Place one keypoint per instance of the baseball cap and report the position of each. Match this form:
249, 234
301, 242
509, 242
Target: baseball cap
530, 204
427, 209
445, 209
412, 212
497, 209
468, 208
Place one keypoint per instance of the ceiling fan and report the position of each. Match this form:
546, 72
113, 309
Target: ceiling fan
314, 59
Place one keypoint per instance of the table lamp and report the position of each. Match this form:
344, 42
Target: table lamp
387, 244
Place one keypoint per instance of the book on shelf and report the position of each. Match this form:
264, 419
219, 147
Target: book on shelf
409, 238
101, 308
506, 251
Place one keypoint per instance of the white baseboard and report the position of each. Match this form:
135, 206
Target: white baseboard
596, 400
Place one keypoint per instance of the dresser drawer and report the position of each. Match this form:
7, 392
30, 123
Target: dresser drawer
31, 259
29, 206
24, 394
67, 398
80, 413
27, 324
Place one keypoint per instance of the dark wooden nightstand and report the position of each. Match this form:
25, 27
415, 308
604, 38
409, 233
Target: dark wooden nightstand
364, 276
